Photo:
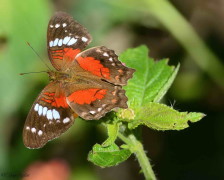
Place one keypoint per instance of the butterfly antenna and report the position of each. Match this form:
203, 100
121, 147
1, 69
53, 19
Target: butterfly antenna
32, 72
38, 56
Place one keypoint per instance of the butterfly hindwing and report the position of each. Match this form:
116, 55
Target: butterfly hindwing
49, 117
65, 37
92, 99
103, 62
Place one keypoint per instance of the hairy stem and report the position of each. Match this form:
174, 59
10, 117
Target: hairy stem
137, 148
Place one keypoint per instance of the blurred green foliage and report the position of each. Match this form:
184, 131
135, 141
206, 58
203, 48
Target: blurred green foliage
19, 23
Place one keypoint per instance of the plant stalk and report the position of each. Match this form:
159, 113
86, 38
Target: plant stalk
137, 148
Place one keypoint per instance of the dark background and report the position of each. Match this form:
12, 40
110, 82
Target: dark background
194, 153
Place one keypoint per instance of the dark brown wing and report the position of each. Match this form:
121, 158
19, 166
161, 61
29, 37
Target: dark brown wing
65, 36
49, 117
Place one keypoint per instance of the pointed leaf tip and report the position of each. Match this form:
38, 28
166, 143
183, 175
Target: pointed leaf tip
162, 117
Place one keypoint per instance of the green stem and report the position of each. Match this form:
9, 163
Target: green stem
137, 148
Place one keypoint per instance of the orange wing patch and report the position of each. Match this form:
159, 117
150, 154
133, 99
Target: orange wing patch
55, 101
94, 66
70, 53
87, 96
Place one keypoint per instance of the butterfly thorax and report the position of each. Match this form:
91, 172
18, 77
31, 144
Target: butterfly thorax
58, 76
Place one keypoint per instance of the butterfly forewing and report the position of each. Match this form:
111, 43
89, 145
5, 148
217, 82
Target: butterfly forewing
48, 118
65, 37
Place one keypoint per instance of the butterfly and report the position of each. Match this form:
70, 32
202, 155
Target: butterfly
85, 83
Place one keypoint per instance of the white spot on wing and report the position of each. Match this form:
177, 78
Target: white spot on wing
60, 42
99, 109
33, 130
55, 42
106, 54
64, 24
51, 43
66, 120
110, 59
57, 25
51, 26
40, 132
84, 39
113, 64
72, 41
56, 114
49, 115
92, 112
66, 39
40, 110
44, 111
27, 128
36, 107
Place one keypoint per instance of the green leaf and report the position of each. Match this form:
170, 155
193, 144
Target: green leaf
151, 80
112, 131
162, 117
108, 156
